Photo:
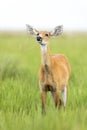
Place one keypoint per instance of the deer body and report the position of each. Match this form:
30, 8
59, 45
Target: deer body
54, 71
53, 76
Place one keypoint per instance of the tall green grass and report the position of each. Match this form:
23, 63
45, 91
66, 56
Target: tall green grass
20, 104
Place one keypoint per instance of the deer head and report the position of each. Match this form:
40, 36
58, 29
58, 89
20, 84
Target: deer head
43, 36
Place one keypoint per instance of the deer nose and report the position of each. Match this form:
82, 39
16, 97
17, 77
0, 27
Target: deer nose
39, 38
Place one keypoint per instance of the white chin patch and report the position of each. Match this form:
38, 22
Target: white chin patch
44, 47
44, 43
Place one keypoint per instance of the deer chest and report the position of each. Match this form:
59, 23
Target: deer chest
47, 76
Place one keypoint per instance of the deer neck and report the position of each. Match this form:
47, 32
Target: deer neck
45, 55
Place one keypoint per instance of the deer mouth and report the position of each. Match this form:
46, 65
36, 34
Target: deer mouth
41, 43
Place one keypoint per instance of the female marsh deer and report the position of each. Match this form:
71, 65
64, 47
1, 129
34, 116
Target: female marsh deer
54, 71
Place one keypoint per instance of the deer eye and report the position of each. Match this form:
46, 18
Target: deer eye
46, 35
37, 34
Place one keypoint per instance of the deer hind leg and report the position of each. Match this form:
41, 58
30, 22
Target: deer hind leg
43, 98
64, 96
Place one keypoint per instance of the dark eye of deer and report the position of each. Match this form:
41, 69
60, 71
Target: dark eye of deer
37, 34
46, 35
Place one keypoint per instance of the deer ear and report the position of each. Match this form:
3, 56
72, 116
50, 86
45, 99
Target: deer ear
31, 30
57, 31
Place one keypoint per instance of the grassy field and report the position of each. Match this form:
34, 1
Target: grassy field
20, 104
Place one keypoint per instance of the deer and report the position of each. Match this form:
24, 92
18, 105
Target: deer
55, 70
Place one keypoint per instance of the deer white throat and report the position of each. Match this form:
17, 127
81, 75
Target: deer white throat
45, 55
43, 48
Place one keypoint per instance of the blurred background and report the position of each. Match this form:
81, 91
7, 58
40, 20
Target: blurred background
72, 14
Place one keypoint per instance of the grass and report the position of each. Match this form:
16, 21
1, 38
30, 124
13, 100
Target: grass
20, 104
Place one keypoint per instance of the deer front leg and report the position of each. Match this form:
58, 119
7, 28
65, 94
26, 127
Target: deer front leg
56, 98
43, 98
